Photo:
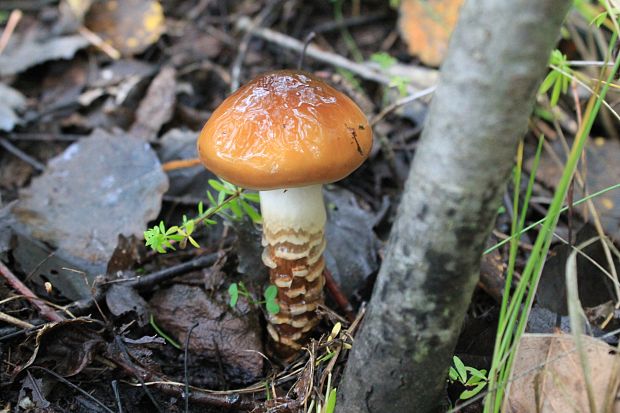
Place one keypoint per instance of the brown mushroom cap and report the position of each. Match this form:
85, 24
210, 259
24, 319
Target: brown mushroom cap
285, 129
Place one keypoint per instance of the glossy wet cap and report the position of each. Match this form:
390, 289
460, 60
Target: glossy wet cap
285, 129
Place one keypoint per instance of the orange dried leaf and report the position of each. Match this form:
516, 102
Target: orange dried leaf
426, 26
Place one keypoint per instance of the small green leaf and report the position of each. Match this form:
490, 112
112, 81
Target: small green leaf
235, 208
468, 394
460, 368
481, 374
330, 404
251, 196
221, 196
555, 93
233, 291
251, 212
211, 199
193, 242
272, 307
384, 60
454, 376
548, 82
271, 292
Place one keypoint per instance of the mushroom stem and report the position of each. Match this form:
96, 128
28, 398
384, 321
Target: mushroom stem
294, 241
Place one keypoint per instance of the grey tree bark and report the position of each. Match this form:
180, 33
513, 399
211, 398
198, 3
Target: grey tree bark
496, 59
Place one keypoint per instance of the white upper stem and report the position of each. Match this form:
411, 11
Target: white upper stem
296, 209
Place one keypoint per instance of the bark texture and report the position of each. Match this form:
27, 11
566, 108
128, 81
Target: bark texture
497, 57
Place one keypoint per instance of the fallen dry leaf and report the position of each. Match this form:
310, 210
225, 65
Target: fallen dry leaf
98, 188
157, 106
426, 26
130, 26
548, 378
29, 53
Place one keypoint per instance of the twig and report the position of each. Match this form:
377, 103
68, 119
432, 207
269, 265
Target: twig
338, 296
21, 154
259, 20
11, 24
361, 69
15, 321
180, 164
46, 311
401, 102
99, 43
143, 283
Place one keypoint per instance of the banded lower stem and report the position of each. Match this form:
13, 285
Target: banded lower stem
294, 241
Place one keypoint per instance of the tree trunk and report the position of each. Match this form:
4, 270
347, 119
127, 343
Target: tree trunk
497, 57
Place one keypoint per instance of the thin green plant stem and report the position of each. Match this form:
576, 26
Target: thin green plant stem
530, 185
162, 333
517, 227
533, 268
514, 244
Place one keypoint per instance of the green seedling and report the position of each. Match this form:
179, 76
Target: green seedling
384, 60
230, 202
558, 78
239, 289
473, 379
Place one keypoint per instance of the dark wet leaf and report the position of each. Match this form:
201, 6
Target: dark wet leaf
96, 189
123, 300
125, 255
130, 26
544, 321
66, 347
11, 102
30, 53
603, 170
157, 106
230, 336
352, 246
594, 286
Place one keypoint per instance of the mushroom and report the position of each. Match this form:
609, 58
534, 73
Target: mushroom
286, 133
